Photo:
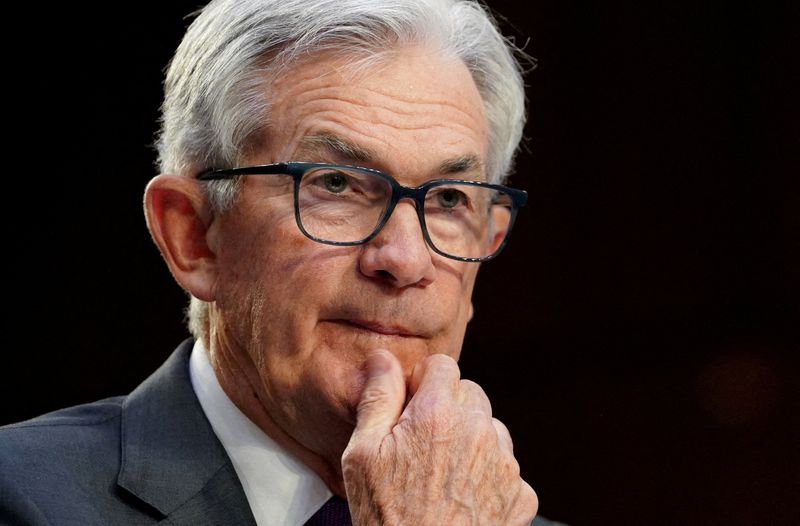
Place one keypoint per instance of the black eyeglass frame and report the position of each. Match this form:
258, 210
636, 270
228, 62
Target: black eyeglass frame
297, 170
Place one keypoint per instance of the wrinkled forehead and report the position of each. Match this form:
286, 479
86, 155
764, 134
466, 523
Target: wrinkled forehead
413, 97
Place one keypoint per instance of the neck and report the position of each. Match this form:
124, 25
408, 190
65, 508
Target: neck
247, 393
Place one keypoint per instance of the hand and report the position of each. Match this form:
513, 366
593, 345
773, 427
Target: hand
441, 459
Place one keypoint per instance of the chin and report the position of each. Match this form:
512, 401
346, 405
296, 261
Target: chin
352, 396
340, 382
339, 362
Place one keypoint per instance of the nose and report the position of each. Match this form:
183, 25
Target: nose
399, 255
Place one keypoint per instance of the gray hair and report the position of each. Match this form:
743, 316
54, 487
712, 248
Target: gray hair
215, 86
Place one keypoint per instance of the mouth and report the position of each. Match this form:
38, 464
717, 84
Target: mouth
374, 327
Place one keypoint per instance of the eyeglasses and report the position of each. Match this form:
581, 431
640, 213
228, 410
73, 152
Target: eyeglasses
348, 205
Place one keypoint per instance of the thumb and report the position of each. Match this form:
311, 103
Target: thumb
382, 399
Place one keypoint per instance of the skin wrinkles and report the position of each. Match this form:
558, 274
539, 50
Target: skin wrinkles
372, 132
367, 113
384, 100
398, 116
388, 94
384, 117
328, 146
287, 310
337, 125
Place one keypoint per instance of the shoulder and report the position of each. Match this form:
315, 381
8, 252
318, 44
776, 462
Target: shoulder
56, 458
62, 429
64, 444
89, 464
79, 415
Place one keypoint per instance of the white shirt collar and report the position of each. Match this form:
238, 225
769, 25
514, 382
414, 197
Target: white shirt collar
280, 489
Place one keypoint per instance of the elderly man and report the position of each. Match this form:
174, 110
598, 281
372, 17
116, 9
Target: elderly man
330, 184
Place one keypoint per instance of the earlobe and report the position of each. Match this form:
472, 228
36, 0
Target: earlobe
179, 219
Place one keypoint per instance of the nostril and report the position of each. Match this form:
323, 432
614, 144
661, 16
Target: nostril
384, 276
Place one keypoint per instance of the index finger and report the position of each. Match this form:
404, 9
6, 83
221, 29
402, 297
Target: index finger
437, 371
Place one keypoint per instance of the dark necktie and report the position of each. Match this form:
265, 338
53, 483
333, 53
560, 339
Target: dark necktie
333, 513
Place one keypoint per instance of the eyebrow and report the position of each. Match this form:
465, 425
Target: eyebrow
353, 152
338, 146
465, 163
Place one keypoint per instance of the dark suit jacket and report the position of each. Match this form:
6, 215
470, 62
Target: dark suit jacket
148, 457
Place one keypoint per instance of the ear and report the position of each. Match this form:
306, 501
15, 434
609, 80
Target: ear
179, 219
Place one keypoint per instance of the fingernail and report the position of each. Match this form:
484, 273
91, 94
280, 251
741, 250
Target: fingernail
378, 363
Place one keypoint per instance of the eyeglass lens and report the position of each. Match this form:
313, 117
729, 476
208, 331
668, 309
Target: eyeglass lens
343, 206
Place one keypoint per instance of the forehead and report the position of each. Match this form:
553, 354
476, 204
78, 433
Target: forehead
415, 107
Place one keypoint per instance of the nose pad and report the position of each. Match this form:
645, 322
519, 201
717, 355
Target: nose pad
399, 254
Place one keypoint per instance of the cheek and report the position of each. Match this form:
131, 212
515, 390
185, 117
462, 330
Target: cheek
263, 243
456, 281
252, 288
458, 300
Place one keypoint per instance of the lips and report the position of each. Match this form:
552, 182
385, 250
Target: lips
378, 328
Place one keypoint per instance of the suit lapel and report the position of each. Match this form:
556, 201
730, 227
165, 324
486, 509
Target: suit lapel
171, 458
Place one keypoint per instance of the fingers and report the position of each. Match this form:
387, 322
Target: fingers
437, 371
503, 436
472, 398
382, 399
434, 382
526, 505
404, 462
438, 378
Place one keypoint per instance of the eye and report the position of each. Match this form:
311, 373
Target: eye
450, 198
335, 182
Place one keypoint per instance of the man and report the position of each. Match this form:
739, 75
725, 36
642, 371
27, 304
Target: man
330, 184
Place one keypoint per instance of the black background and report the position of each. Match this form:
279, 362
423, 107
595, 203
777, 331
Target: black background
639, 336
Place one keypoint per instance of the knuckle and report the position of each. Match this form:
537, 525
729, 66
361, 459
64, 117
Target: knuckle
441, 361
468, 386
511, 468
503, 435
529, 498
500, 426
434, 372
524, 507
501, 430
473, 394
